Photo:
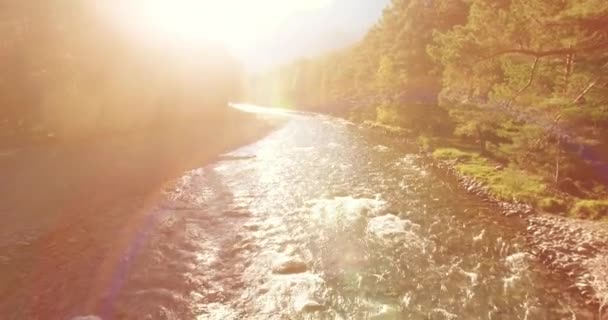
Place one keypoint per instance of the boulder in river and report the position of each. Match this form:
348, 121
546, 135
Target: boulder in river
289, 265
310, 306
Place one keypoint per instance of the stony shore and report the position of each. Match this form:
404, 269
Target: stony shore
575, 248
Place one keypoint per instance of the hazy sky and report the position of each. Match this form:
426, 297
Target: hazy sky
262, 33
313, 32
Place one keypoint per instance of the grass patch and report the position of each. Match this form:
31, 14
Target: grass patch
454, 154
508, 184
590, 209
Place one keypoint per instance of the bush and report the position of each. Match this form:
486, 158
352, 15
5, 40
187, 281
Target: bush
388, 115
590, 209
424, 143
552, 205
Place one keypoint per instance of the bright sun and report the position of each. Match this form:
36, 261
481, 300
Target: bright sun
236, 23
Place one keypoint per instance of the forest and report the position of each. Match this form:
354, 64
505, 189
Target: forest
512, 92
69, 73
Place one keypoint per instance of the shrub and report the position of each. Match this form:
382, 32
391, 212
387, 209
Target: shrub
453, 154
388, 115
590, 209
424, 143
552, 205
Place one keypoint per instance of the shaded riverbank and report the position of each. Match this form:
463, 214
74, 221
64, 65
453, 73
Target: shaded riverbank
65, 206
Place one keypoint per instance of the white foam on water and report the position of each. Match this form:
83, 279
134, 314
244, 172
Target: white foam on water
293, 290
345, 209
479, 237
473, 276
388, 226
218, 311
446, 314
380, 148
517, 264
393, 230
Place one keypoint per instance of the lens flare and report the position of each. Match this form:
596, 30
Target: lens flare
235, 23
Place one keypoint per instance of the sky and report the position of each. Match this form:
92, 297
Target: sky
313, 32
261, 33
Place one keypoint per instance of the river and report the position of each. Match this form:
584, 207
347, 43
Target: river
323, 219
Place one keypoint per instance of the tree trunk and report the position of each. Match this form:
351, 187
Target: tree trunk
482, 141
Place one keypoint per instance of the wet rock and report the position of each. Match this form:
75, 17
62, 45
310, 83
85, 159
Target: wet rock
309, 306
289, 265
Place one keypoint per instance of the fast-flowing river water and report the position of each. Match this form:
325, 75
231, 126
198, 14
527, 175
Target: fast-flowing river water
323, 219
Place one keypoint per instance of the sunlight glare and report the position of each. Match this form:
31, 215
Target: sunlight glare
235, 23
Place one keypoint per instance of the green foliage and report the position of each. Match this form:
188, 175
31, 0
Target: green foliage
389, 115
590, 209
454, 154
424, 143
509, 184
552, 205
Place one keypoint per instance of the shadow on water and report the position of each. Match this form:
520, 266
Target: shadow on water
192, 261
